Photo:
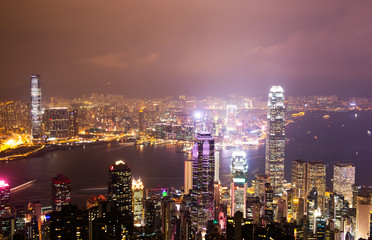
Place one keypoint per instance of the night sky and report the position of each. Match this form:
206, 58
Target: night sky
157, 48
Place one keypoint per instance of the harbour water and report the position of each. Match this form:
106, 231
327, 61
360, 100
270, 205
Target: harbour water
342, 137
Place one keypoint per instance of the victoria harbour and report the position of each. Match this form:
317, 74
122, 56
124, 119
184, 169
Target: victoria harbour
342, 138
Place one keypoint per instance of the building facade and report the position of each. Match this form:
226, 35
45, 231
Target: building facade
61, 192
343, 180
202, 209
275, 139
36, 111
239, 170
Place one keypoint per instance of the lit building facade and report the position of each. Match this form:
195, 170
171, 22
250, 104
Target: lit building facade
138, 213
36, 111
120, 186
188, 176
275, 139
343, 180
299, 178
239, 170
57, 121
61, 192
4, 197
202, 209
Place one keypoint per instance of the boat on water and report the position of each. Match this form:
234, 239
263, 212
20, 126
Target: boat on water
326, 116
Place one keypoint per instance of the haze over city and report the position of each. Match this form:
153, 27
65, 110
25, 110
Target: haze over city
160, 48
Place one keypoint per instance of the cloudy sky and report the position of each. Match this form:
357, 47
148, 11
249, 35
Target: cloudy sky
156, 47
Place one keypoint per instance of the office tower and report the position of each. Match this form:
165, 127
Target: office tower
363, 206
343, 180
316, 178
275, 139
120, 186
150, 216
259, 185
120, 195
299, 178
312, 208
268, 203
57, 123
188, 176
4, 197
36, 112
216, 166
138, 213
141, 123
73, 124
306, 176
202, 209
231, 118
239, 169
61, 191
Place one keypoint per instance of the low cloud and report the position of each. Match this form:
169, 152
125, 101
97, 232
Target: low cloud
122, 60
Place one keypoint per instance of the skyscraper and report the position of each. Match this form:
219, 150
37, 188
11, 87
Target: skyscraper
275, 139
4, 197
299, 178
239, 169
57, 122
202, 209
120, 186
188, 176
138, 213
343, 180
61, 191
120, 196
36, 113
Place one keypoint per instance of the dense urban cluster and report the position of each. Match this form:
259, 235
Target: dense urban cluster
268, 207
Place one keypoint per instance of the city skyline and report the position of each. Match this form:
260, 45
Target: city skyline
153, 49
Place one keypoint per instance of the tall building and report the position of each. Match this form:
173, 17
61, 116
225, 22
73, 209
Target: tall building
120, 196
231, 117
36, 111
307, 176
316, 178
61, 191
138, 213
299, 178
4, 197
239, 169
73, 124
188, 176
202, 209
120, 186
141, 123
343, 180
57, 122
275, 139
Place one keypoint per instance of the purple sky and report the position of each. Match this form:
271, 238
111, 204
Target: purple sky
156, 48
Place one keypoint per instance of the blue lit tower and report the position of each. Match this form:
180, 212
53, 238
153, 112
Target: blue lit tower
275, 139
239, 169
202, 209
36, 113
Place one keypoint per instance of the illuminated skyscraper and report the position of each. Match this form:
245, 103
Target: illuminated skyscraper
275, 139
202, 209
239, 169
316, 178
120, 186
4, 197
61, 191
343, 180
138, 213
36, 112
299, 178
188, 176
231, 117
120, 196
57, 122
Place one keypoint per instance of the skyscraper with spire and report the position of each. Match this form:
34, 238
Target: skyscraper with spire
275, 139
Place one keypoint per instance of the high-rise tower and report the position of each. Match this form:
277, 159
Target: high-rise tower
343, 180
36, 113
275, 139
239, 169
138, 213
4, 197
202, 209
120, 186
61, 191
